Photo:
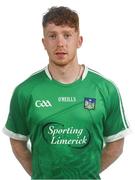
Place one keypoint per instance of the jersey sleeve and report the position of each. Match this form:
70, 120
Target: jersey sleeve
115, 125
16, 126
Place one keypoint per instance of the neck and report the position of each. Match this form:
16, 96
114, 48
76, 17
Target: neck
67, 73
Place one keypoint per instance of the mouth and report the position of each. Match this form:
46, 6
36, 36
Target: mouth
60, 54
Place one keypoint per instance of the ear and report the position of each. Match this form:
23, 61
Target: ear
80, 41
43, 41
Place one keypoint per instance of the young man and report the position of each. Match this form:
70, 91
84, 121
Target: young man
72, 115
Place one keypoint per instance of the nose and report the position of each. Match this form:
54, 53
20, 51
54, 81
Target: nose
60, 41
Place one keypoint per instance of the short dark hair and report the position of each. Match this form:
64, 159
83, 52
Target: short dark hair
61, 16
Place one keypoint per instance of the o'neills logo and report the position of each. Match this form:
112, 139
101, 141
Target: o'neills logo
42, 103
66, 99
56, 133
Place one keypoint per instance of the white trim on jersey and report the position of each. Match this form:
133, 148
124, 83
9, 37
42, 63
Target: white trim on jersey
37, 72
48, 73
125, 122
117, 136
13, 135
85, 72
83, 75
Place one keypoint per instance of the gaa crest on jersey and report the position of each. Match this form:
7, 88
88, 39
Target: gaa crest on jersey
89, 103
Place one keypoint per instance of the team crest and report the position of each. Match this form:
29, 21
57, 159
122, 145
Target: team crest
89, 103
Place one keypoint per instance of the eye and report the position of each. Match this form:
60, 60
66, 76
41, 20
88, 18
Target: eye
52, 36
67, 35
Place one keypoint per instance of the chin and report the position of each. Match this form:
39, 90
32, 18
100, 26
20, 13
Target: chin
61, 63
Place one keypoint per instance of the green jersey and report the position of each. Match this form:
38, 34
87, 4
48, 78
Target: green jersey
67, 124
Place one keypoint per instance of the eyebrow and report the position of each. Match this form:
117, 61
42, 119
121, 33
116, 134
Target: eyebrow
65, 31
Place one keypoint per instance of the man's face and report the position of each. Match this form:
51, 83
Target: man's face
61, 43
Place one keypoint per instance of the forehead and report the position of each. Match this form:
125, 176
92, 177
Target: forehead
51, 27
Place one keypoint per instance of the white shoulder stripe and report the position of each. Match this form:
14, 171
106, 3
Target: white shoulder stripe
38, 72
95, 72
126, 124
13, 135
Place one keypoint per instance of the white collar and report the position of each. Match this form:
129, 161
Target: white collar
82, 77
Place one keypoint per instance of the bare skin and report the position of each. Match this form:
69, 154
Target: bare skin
23, 154
111, 153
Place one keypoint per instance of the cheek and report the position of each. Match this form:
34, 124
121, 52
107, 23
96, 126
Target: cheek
49, 46
73, 49
76, 43
73, 44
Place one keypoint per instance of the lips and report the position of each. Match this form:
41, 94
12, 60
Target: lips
60, 54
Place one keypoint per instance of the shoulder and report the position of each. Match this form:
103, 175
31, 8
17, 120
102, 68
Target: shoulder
102, 83
29, 84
